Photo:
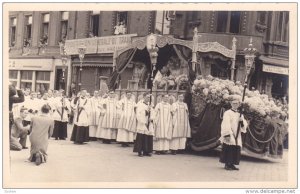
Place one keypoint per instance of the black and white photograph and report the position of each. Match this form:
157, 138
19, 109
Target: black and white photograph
150, 95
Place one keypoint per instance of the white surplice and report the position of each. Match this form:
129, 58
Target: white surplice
163, 127
127, 122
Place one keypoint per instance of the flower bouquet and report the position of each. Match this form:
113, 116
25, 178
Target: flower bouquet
217, 91
168, 81
182, 81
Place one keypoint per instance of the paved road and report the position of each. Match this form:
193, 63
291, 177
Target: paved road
98, 162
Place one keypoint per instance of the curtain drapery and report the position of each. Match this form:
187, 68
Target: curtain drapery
185, 54
121, 63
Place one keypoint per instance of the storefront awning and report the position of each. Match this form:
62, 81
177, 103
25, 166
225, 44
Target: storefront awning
275, 65
87, 64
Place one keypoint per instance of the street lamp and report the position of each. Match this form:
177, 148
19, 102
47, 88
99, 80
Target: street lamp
152, 49
249, 59
81, 53
249, 56
64, 59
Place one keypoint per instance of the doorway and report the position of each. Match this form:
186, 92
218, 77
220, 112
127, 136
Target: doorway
61, 83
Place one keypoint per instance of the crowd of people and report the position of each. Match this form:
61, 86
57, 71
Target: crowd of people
163, 128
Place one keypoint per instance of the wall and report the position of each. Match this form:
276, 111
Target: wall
140, 22
82, 26
107, 23
178, 25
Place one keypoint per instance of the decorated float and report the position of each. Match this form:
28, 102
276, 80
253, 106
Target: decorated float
163, 64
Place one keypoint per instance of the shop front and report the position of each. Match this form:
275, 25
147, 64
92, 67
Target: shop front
34, 74
96, 61
275, 77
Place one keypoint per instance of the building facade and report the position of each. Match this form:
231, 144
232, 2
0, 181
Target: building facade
35, 37
269, 31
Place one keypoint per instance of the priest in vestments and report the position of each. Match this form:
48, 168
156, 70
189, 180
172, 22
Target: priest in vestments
181, 125
52, 100
94, 115
33, 109
230, 137
60, 116
80, 133
108, 129
163, 126
127, 122
143, 144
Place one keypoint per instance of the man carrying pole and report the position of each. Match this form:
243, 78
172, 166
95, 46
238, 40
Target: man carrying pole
234, 123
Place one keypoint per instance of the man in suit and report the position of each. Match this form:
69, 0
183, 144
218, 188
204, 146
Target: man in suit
18, 130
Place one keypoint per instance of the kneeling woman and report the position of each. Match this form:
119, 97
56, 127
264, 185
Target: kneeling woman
41, 130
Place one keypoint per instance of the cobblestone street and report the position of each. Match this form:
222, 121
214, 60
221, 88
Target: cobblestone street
98, 162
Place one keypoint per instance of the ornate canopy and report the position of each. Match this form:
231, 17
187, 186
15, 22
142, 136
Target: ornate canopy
163, 40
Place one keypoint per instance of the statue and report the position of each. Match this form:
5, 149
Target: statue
140, 73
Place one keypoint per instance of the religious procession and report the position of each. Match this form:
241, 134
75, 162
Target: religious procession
101, 117
164, 95
213, 107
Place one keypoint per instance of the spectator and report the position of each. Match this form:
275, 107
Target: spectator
19, 131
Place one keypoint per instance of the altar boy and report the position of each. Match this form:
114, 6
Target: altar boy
230, 136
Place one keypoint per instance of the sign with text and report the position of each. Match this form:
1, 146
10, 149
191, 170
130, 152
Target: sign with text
107, 44
275, 69
31, 64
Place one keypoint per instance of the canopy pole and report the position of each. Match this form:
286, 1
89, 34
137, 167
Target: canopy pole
114, 60
195, 48
233, 59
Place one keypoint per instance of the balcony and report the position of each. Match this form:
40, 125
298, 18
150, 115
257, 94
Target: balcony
277, 49
226, 40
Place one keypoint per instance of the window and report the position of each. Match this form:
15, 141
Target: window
13, 74
41, 87
25, 85
42, 81
26, 79
282, 32
122, 17
235, 20
194, 21
94, 24
12, 31
222, 21
121, 23
28, 23
43, 75
64, 25
162, 25
26, 75
45, 27
229, 21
